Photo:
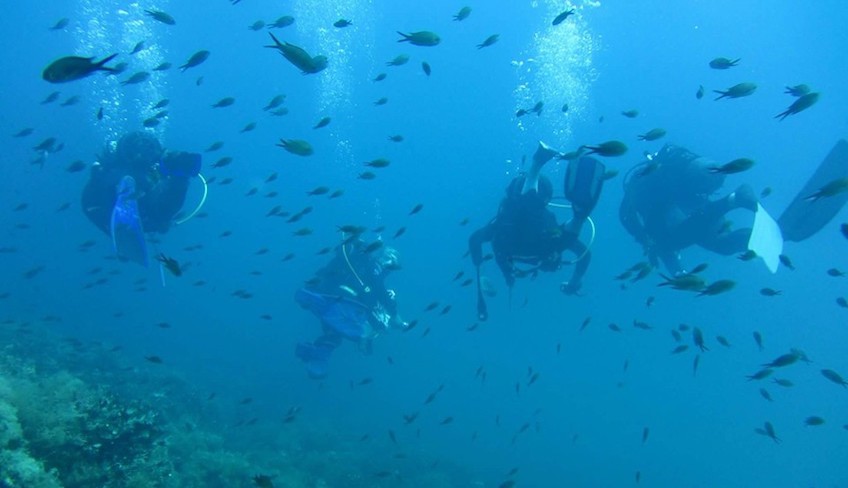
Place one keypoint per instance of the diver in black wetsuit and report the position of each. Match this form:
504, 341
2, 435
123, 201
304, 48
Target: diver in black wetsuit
161, 182
526, 231
667, 208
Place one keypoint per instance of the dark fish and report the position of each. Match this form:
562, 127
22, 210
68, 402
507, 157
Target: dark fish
284, 21
813, 420
737, 91
297, 56
60, 24
380, 77
758, 338
324, 122
652, 135
561, 17
249, 127
735, 166
761, 374
24, 132
645, 432
609, 148
802, 103
342, 23
784, 259
377, 163
630, 114
163, 67
723, 341
257, 26
72, 68
399, 60
489, 41
396, 138
263, 481
463, 14
797, 90
425, 66
770, 292
154, 359
417, 208
765, 394
224, 102
195, 59
298, 147
170, 264
136, 78
700, 93
381, 101
420, 38
275, 102
717, 287
724, 63
834, 377
163, 17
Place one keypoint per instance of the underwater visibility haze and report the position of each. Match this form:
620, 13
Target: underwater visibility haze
176, 352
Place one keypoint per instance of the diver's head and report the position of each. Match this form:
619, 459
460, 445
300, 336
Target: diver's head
139, 151
389, 259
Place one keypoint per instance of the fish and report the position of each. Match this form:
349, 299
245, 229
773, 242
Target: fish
163, 66
797, 90
768, 431
139, 46
195, 60
724, 63
747, 255
652, 135
342, 23
761, 374
72, 68
396, 138
399, 232
784, 259
832, 188
377, 163
274, 102
463, 14
284, 21
735, 166
154, 359
161, 16
645, 432
630, 114
717, 287
136, 78
420, 38
641, 325
318, 190
247, 128
765, 394
834, 377
700, 93
723, 341
170, 264
686, 282
71, 101
257, 26
783, 382
324, 122
399, 60
802, 103
224, 102
770, 292
24, 132
380, 77
417, 208
698, 339
224, 161
737, 91
679, 349
425, 66
783, 360
60, 24
562, 16
489, 41
298, 147
813, 420
263, 481
366, 175
608, 148
297, 56
758, 339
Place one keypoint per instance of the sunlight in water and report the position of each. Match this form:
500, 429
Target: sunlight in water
557, 70
107, 27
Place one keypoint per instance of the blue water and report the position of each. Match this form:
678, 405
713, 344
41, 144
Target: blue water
462, 145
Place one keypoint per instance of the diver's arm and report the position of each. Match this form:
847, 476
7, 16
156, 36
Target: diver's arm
475, 243
572, 286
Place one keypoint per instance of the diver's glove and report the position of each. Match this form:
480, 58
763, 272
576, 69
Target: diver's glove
180, 164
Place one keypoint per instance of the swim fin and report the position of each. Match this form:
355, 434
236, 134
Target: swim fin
804, 217
127, 232
766, 239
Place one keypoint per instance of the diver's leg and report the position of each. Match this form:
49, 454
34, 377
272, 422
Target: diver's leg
542, 155
728, 244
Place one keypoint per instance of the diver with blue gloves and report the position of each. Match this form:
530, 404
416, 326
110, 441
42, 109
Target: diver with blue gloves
350, 298
525, 235
137, 188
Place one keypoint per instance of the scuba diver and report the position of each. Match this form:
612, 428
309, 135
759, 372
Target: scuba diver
667, 208
525, 231
138, 188
351, 300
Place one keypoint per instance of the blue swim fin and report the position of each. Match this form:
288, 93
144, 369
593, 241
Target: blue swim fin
804, 217
127, 232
